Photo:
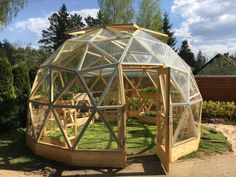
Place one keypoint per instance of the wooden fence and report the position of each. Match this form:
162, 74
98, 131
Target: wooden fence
217, 88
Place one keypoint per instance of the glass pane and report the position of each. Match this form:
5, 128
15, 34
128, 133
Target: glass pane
41, 91
180, 80
185, 128
139, 54
29, 125
41, 72
174, 61
97, 135
95, 58
51, 133
85, 37
175, 93
72, 118
155, 48
196, 111
113, 47
71, 56
38, 114
74, 94
52, 56
97, 80
143, 35
113, 95
60, 80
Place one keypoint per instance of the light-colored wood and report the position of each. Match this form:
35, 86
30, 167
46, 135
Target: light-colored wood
163, 123
92, 158
184, 148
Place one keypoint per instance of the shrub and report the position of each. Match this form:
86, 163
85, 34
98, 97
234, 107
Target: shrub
22, 86
8, 108
219, 109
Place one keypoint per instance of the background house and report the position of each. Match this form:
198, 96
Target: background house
217, 79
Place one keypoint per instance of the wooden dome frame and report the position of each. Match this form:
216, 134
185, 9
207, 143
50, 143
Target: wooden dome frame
164, 70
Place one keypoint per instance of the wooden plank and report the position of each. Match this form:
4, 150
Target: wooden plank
91, 158
185, 148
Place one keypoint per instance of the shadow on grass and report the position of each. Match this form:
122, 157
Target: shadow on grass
15, 155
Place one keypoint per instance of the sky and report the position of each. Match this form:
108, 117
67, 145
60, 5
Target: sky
209, 25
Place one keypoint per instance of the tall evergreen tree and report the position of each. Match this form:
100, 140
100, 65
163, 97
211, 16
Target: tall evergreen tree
117, 11
95, 21
187, 55
200, 61
60, 22
166, 28
22, 86
8, 109
149, 15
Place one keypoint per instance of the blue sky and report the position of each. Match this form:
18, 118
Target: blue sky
208, 25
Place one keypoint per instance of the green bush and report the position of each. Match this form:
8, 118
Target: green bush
22, 86
8, 107
219, 109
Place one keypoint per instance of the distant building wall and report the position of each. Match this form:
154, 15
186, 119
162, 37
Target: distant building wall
217, 88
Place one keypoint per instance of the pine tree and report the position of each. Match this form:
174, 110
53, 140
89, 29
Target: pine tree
75, 22
8, 109
117, 11
171, 41
95, 21
60, 22
149, 15
200, 61
186, 54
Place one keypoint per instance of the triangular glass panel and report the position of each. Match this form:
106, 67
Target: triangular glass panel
155, 48
51, 132
196, 112
71, 55
50, 59
38, 113
114, 47
97, 135
97, 80
145, 36
147, 87
177, 112
60, 80
113, 95
94, 58
174, 61
39, 76
175, 93
74, 94
194, 92
140, 53
88, 36
42, 89
29, 125
180, 80
105, 34
72, 119
186, 127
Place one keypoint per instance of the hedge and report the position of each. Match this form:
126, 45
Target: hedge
219, 109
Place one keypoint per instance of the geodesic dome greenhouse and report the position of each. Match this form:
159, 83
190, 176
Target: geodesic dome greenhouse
85, 92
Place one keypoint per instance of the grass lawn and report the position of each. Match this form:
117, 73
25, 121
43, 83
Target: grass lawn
140, 139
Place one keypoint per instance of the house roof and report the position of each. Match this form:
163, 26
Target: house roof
219, 65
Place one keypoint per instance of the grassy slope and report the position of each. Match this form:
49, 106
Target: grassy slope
140, 138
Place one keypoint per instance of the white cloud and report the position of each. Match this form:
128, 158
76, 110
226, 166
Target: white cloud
36, 25
86, 12
207, 24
